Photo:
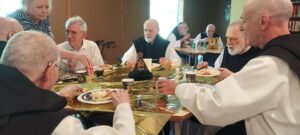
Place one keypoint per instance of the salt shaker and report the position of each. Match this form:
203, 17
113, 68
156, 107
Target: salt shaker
139, 99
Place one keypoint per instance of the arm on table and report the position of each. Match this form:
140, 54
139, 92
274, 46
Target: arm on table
240, 96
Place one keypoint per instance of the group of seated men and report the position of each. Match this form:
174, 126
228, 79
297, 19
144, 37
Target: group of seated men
260, 93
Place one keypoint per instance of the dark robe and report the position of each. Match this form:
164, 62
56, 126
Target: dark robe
154, 50
287, 48
204, 35
2, 46
26, 109
177, 34
236, 62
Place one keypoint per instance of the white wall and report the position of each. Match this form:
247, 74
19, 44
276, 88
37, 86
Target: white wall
236, 9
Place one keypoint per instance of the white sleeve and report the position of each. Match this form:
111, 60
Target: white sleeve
96, 55
219, 60
123, 125
220, 43
173, 42
130, 54
172, 55
197, 38
258, 87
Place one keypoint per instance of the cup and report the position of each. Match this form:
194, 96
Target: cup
98, 72
156, 86
190, 76
176, 63
148, 63
127, 83
81, 76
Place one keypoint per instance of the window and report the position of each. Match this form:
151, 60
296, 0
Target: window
168, 13
7, 7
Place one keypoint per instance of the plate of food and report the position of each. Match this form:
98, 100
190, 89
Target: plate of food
208, 72
99, 96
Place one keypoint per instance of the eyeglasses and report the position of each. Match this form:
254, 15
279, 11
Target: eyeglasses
50, 64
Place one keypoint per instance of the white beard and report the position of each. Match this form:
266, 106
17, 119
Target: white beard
148, 40
236, 50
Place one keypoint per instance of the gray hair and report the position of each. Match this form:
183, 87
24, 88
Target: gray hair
77, 19
279, 9
152, 21
26, 3
235, 23
208, 26
30, 52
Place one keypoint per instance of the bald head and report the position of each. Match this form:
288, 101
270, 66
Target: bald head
8, 27
278, 9
264, 20
151, 29
30, 52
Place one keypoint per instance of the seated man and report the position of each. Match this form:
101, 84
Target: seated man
76, 32
209, 33
209, 37
265, 92
29, 107
151, 46
179, 35
233, 58
9, 27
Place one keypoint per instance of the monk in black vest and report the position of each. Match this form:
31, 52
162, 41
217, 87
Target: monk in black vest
204, 37
151, 45
29, 107
210, 32
179, 35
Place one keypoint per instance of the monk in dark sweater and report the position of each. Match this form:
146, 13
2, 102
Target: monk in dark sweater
153, 46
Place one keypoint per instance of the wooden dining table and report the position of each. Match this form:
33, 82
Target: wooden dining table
155, 110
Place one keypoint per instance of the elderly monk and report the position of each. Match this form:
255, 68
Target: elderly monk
151, 45
29, 107
266, 91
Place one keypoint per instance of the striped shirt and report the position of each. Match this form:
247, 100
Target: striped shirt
27, 22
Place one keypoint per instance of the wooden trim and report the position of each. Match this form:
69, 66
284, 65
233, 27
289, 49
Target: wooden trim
122, 26
69, 8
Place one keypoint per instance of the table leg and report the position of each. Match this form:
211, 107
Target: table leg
177, 128
190, 59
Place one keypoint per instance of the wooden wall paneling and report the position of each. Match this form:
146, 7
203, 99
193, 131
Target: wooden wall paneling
135, 13
103, 19
58, 18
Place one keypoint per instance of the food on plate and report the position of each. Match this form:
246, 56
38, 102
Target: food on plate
106, 66
99, 95
208, 72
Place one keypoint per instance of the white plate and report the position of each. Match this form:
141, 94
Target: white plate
213, 72
86, 98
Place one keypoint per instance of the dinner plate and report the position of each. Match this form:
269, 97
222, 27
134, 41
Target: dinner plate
212, 72
86, 97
